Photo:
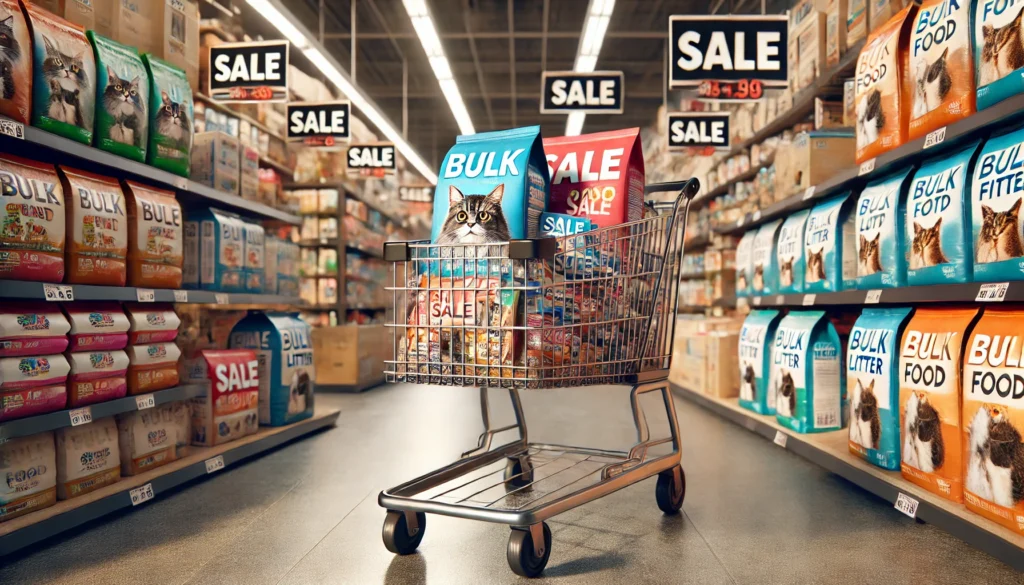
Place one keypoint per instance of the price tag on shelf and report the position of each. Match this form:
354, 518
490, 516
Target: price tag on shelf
780, 439
757, 301
809, 299
221, 298
145, 295
873, 297
215, 464
907, 505
780, 300
80, 416
808, 193
145, 401
181, 296
58, 292
143, 493
993, 292
756, 216
866, 167
12, 128
935, 137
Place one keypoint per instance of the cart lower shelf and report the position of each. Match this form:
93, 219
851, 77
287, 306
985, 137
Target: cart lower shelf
831, 451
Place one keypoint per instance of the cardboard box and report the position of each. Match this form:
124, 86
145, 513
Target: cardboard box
215, 161
351, 355
835, 31
250, 180
849, 103
129, 22
722, 379
176, 28
857, 21
812, 158
880, 11
828, 114
78, 12
811, 43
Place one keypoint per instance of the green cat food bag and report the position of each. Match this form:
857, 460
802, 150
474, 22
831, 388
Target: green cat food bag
122, 94
170, 117
64, 76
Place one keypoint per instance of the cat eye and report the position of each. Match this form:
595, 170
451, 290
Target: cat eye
132, 91
74, 68
484, 216
461, 217
58, 62
117, 87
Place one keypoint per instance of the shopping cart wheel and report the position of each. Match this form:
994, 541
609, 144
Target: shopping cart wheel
396, 532
671, 490
522, 552
518, 472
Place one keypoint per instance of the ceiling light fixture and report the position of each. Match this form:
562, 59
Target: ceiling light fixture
599, 14
295, 32
427, 32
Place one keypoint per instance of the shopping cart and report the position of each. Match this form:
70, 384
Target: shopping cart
585, 309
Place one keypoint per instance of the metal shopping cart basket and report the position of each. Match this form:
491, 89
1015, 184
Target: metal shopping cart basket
585, 309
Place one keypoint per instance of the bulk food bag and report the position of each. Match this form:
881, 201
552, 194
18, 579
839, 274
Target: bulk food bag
88, 458
226, 407
97, 250
170, 117
941, 69
154, 237
998, 50
28, 329
122, 99
830, 251
996, 194
97, 376
152, 367
16, 69
805, 376
153, 437
32, 225
29, 466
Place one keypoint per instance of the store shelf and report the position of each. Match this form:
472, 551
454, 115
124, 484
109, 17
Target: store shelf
24, 290
62, 418
41, 145
939, 293
350, 192
368, 251
831, 451
328, 243
284, 169
31, 528
351, 388
697, 242
364, 307
224, 109
722, 189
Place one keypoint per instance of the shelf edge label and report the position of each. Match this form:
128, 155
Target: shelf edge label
58, 292
143, 493
145, 401
992, 292
866, 167
80, 416
780, 439
214, 464
906, 504
935, 137
873, 297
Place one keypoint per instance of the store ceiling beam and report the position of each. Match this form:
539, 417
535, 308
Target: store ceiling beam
498, 35
384, 94
512, 61
476, 64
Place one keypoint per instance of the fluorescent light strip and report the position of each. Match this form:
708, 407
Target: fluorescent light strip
599, 14
427, 32
302, 39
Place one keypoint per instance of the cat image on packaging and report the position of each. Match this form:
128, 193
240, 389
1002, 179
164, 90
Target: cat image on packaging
872, 377
15, 63
996, 193
31, 236
493, 186
937, 235
97, 250
830, 250
881, 261
64, 82
88, 458
122, 99
764, 278
789, 253
930, 356
883, 88
755, 346
154, 237
998, 50
744, 266
806, 379
226, 407
993, 418
29, 466
170, 117
941, 67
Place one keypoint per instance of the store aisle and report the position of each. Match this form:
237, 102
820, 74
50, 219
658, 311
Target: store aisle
307, 513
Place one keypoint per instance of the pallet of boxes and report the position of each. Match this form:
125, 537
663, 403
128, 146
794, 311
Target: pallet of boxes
702, 355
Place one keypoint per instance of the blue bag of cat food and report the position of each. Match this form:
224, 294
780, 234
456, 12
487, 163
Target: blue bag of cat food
764, 263
998, 50
996, 192
937, 235
744, 264
830, 250
215, 251
789, 253
756, 340
122, 99
255, 257
806, 374
283, 348
881, 262
872, 375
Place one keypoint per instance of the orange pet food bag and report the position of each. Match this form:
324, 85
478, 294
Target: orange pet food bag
32, 221
15, 63
154, 237
941, 72
97, 226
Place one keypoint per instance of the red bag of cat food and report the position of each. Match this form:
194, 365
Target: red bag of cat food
598, 176
97, 250
154, 237
15, 63
941, 69
32, 226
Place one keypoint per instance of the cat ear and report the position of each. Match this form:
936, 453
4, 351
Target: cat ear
111, 77
135, 81
166, 98
51, 47
917, 228
495, 196
1016, 206
938, 224
871, 386
863, 241
9, 21
455, 196
987, 213
945, 51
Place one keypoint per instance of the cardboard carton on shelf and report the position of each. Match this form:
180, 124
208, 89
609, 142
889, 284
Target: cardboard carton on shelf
176, 28
215, 161
835, 31
812, 158
722, 378
80, 12
351, 355
129, 23
811, 45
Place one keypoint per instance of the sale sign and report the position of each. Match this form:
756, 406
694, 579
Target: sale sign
728, 48
323, 124
600, 92
249, 72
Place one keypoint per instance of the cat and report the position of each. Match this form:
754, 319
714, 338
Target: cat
815, 266
978, 481
123, 101
741, 279
999, 238
65, 75
785, 396
908, 451
933, 86
926, 249
995, 469
786, 273
172, 121
474, 219
923, 447
866, 426
1002, 50
10, 53
759, 277
748, 389
870, 259
870, 119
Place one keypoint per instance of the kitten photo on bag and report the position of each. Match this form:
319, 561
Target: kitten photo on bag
122, 94
64, 91
865, 426
15, 63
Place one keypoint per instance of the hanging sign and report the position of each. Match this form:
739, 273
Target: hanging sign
698, 130
728, 48
600, 92
371, 160
323, 124
249, 72
418, 194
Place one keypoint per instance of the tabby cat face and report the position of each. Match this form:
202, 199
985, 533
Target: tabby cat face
474, 219
121, 97
172, 119
62, 69
997, 40
926, 237
997, 223
10, 49
869, 248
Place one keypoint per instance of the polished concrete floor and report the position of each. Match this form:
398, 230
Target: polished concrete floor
307, 513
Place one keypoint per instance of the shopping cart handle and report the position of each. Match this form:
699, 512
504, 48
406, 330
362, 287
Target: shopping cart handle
532, 249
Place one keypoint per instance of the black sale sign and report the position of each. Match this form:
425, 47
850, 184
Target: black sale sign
698, 130
600, 92
728, 48
416, 194
249, 72
322, 124
371, 160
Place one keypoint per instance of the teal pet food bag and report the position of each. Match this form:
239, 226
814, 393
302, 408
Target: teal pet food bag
170, 117
122, 99
744, 269
830, 251
756, 339
996, 193
881, 262
806, 374
764, 278
789, 253
998, 50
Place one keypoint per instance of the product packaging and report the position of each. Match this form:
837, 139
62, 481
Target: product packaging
226, 408
249, 184
154, 237
29, 465
998, 58
170, 117
220, 256
744, 263
996, 196
152, 367
97, 250
64, 76
96, 326
941, 68
122, 99
215, 161
129, 23
176, 24
31, 235
97, 376
151, 323
806, 376
789, 253
764, 262
757, 338
881, 257
88, 458
153, 437
835, 31
32, 385
16, 80
28, 329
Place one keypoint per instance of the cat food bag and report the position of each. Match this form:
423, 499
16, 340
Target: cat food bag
493, 188
744, 265
152, 367
152, 437
872, 375
98, 249
755, 346
941, 68
255, 257
285, 372
998, 50
789, 253
29, 465
996, 193
87, 458
220, 256
96, 326
881, 261
993, 418
271, 253
830, 250
288, 269
763, 261
122, 99
32, 226
17, 373
806, 374
15, 63
154, 237
64, 81
151, 323
26, 402
930, 356
598, 176
170, 117
883, 89
97, 376
32, 329
937, 234
226, 407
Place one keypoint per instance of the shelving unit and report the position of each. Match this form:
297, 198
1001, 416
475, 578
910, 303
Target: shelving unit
970, 292
25, 290
830, 451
